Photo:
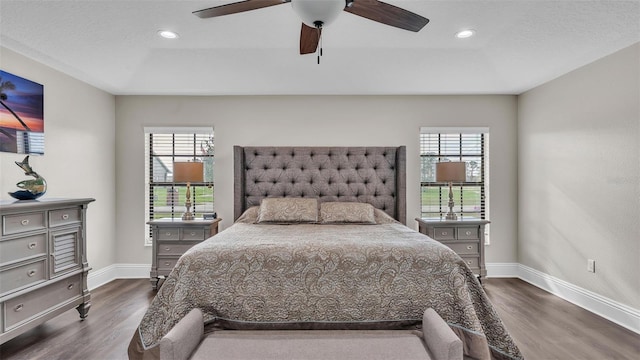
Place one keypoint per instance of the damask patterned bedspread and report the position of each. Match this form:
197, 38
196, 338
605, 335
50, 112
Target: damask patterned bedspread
255, 276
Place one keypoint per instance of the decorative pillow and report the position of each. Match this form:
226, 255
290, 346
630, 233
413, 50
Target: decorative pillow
288, 210
249, 216
346, 212
384, 218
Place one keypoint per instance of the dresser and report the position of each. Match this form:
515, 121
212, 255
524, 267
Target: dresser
465, 237
43, 262
171, 238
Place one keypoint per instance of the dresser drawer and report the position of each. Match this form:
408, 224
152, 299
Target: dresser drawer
468, 233
19, 223
65, 216
166, 264
23, 248
462, 248
173, 249
22, 276
193, 234
24, 307
444, 233
169, 233
472, 262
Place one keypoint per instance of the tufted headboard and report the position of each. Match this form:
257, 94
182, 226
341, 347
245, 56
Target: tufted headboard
375, 175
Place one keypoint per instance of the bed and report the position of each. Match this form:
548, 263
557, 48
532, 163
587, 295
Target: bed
319, 242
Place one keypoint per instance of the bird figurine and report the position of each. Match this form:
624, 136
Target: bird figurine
32, 189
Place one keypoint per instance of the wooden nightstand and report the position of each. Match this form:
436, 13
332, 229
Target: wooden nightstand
172, 238
465, 237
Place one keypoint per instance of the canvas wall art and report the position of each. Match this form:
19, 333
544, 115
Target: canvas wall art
21, 115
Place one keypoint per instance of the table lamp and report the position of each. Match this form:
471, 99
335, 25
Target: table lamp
188, 172
451, 172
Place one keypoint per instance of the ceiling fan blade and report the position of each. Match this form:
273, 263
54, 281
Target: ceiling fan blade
237, 7
387, 14
309, 38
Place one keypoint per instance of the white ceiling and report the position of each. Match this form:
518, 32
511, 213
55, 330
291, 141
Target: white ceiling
113, 45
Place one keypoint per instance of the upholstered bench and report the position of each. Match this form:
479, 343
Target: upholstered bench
436, 341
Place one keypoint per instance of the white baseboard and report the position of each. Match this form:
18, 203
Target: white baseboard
612, 310
620, 314
502, 270
117, 271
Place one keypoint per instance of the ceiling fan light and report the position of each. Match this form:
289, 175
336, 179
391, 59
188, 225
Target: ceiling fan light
313, 11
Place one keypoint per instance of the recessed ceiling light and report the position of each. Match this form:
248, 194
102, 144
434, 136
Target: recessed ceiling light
465, 34
168, 34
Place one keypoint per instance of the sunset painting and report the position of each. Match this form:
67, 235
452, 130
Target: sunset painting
21, 115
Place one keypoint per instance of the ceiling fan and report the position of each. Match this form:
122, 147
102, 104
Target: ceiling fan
316, 14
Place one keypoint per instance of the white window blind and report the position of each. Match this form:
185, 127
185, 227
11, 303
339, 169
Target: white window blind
454, 144
165, 198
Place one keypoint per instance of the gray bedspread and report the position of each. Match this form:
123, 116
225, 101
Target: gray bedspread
255, 276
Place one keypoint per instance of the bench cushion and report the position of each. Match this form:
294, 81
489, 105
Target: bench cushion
185, 340
315, 345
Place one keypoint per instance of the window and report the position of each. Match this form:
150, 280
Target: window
454, 144
163, 197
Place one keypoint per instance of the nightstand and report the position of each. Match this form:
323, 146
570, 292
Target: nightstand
465, 237
172, 238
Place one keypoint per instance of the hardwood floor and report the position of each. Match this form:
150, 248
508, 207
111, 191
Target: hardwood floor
545, 327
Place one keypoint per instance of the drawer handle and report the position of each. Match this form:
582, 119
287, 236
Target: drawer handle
445, 233
167, 249
18, 308
168, 233
167, 263
193, 233
32, 245
469, 263
31, 273
468, 232
469, 247
65, 216
24, 222
70, 286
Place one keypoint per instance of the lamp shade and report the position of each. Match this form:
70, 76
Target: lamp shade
312, 11
451, 172
187, 172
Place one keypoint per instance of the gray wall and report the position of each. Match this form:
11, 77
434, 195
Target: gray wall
79, 159
314, 120
579, 177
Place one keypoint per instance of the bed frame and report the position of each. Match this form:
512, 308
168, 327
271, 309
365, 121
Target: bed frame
375, 175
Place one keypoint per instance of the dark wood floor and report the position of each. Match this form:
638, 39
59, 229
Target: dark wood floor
543, 326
